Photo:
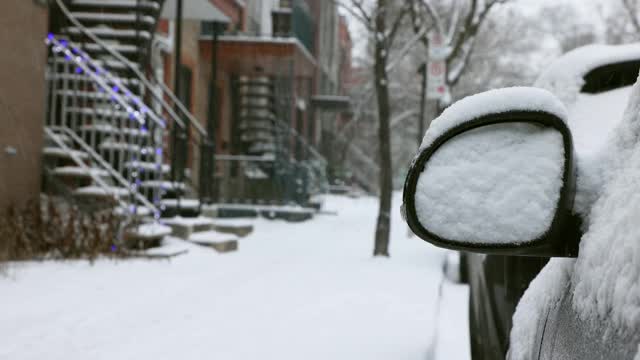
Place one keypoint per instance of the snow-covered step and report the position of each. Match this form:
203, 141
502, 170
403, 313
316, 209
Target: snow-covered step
147, 166
293, 213
112, 130
141, 211
184, 228
221, 242
81, 77
78, 171
98, 191
112, 17
188, 207
62, 137
126, 4
108, 63
110, 33
163, 184
168, 247
240, 227
121, 48
149, 231
109, 145
92, 95
58, 152
103, 112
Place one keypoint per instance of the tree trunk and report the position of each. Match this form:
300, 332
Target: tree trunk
383, 226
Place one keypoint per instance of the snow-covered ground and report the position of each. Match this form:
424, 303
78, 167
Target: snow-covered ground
292, 291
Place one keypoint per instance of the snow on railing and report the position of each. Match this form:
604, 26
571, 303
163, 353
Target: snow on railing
72, 76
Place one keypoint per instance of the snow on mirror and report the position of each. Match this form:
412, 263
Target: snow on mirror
496, 184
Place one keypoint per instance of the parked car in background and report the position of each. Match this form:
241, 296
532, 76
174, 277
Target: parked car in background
503, 187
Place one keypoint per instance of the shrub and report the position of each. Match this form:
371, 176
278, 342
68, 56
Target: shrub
50, 228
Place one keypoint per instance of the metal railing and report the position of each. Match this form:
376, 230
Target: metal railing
189, 134
113, 127
187, 130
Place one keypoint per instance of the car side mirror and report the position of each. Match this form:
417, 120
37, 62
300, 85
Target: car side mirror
495, 174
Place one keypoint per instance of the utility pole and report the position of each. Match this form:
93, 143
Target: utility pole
212, 124
422, 71
177, 134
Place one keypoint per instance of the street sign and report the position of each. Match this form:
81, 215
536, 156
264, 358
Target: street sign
436, 84
437, 67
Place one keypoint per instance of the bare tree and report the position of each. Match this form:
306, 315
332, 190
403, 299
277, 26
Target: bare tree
631, 8
458, 24
382, 22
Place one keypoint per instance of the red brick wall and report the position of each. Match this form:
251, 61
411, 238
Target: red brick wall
234, 11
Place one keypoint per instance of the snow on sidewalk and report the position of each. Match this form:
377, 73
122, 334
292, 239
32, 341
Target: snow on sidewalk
292, 291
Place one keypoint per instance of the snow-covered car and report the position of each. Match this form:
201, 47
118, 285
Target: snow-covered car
522, 175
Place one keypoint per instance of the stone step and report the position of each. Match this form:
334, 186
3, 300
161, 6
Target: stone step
148, 235
220, 242
184, 228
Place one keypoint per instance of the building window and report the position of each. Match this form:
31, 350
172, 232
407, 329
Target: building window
281, 20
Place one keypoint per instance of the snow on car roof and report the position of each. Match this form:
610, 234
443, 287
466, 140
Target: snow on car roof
565, 76
494, 101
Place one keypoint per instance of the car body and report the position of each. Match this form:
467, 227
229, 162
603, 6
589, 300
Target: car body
594, 83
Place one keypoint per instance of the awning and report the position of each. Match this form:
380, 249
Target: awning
202, 10
331, 102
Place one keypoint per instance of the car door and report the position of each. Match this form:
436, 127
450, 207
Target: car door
566, 336
497, 284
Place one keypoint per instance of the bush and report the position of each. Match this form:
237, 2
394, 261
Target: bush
52, 229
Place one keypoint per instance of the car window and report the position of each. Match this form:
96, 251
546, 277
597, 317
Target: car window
611, 76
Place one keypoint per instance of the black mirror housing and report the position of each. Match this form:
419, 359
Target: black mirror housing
561, 239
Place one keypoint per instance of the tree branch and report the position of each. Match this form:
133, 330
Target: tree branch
632, 12
357, 10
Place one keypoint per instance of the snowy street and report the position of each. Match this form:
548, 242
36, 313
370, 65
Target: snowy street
292, 291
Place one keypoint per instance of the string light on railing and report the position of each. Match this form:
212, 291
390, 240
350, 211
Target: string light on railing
86, 65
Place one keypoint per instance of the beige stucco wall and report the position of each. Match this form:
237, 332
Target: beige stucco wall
22, 98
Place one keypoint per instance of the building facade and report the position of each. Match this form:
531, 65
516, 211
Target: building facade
22, 105
272, 58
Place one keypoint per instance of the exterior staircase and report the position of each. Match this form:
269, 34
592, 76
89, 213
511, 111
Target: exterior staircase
107, 126
116, 139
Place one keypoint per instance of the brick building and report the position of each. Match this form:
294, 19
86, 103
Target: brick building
22, 104
273, 58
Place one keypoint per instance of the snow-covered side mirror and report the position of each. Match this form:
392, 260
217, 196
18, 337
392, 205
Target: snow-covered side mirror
495, 174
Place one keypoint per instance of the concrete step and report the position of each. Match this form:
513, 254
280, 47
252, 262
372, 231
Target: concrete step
145, 236
220, 242
291, 213
189, 208
184, 228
